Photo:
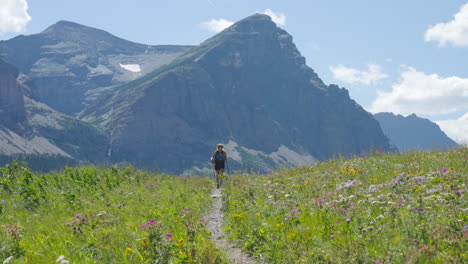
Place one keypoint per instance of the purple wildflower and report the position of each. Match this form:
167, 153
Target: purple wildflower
77, 216
202, 220
169, 235
152, 221
143, 226
319, 202
444, 170
348, 220
345, 211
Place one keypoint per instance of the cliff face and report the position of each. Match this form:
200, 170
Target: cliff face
413, 133
72, 64
248, 85
29, 127
11, 96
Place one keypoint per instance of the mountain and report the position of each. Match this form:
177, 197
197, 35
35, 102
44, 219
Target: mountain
29, 127
72, 64
247, 86
413, 133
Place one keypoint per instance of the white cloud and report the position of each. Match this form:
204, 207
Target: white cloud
456, 129
455, 31
422, 93
217, 25
131, 67
350, 75
278, 18
13, 15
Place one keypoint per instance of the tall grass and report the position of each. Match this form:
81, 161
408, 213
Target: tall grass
103, 215
409, 208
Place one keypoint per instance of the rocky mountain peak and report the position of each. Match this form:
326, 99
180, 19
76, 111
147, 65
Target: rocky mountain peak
255, 23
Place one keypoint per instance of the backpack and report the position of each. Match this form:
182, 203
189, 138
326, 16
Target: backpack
219, 156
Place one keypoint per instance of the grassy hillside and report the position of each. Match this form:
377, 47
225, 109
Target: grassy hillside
383, 209
408, 208
91, 215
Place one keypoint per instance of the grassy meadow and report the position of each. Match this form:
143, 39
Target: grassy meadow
91, 215
408, 208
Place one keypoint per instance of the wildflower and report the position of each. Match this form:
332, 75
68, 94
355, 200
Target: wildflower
202, 220
460, 191
62, 260
293, 211
444, 170
152, 221
83, 219
187, 209
377, 262
128, 251
77, 216
345, 211
465, 226
337, 222
319, 202
332, 236
143, 226
8, 260
348, 220
169, 236
68, 224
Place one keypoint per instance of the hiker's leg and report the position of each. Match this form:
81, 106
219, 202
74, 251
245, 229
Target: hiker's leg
217, 177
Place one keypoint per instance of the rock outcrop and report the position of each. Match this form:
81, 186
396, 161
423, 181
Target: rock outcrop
12, 108
29, 127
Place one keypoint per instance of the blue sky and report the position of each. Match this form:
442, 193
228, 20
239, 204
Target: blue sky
400, 56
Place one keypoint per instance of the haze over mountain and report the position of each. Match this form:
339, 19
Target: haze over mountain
249, 87
413, 133
72, 64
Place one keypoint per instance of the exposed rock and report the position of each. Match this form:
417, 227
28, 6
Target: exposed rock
248, 84
413, 133
68, 62
28, 127
12, 108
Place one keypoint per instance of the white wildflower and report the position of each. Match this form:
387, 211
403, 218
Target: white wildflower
8, 260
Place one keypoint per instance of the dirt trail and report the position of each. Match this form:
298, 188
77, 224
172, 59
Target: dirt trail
215, 222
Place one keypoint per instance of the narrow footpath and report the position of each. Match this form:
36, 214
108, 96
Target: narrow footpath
215, 226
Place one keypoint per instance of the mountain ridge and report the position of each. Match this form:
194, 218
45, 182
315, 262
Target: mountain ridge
72, 64
252, 81
413, 133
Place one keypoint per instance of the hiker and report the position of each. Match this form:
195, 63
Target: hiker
218, 159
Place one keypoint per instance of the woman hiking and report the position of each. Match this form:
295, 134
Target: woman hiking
218, 159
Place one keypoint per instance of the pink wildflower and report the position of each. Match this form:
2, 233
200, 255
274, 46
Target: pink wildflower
169, 235
143, 226
152, 221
